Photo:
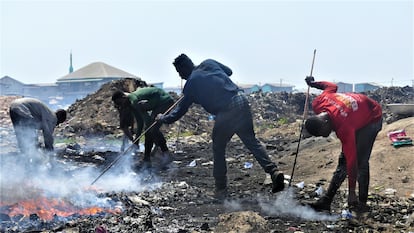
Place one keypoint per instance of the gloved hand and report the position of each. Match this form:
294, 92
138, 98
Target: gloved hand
309, 80
159, 118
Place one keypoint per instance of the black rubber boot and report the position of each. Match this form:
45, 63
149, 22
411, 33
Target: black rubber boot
278, 182
323, 204
221, 192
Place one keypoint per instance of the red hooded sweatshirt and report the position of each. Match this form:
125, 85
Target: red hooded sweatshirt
348, 113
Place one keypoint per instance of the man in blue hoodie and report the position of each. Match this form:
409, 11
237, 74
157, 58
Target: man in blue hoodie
209, 85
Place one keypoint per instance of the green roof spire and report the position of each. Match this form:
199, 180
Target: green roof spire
70, 67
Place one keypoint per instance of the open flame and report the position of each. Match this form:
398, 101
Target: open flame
48, 208
35, 201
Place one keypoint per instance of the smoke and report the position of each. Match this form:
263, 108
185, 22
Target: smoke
24, 176
233, 205
286, 205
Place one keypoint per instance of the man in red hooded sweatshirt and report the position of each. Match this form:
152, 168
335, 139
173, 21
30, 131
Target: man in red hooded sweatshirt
356, 120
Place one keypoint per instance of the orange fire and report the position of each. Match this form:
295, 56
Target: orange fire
47, 208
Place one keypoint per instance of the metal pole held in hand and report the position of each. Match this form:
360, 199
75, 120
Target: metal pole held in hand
305, 114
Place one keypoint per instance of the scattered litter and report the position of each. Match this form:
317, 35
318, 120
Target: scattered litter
399, 138
346, 214
182, 184
319, 191
301, 185
295, 229
209, 163
248, 165
192, 164
98, 157
330, 226
101, 229
390, 191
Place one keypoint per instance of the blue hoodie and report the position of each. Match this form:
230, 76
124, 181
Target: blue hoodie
208, 85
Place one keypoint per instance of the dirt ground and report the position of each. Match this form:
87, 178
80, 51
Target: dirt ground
184, 202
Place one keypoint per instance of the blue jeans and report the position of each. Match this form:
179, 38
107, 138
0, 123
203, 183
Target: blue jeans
237, 119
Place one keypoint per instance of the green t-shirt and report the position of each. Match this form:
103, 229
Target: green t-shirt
155, 97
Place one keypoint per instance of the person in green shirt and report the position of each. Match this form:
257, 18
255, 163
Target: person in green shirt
138, 104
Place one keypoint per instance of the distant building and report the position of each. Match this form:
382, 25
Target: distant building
41, 91
270, 87
10, 86
67, 89
364, 87
177, 90
344, 87
89, 79
159, 85
249, 88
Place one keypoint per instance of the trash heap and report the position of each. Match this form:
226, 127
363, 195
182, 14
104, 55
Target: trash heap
96, 115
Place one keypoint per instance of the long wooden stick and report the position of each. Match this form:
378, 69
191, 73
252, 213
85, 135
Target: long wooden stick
136, 140
305, 113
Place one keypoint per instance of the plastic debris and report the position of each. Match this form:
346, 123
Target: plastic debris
346, 214
301, 185
248, 165
399, 138
192, 164
390, 191
330, 226
294, 229
319, 191
101, 229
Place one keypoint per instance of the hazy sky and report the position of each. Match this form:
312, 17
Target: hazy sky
262, 41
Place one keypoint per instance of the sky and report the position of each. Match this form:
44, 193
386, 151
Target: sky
262, 41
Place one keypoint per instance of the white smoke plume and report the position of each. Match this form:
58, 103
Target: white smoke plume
286, 205
35, 174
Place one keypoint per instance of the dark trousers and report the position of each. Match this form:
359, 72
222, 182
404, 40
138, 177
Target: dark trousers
26, 132
236, 120
365, 138
154, 135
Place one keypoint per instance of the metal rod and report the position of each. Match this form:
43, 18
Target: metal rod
305, 113
136, 140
